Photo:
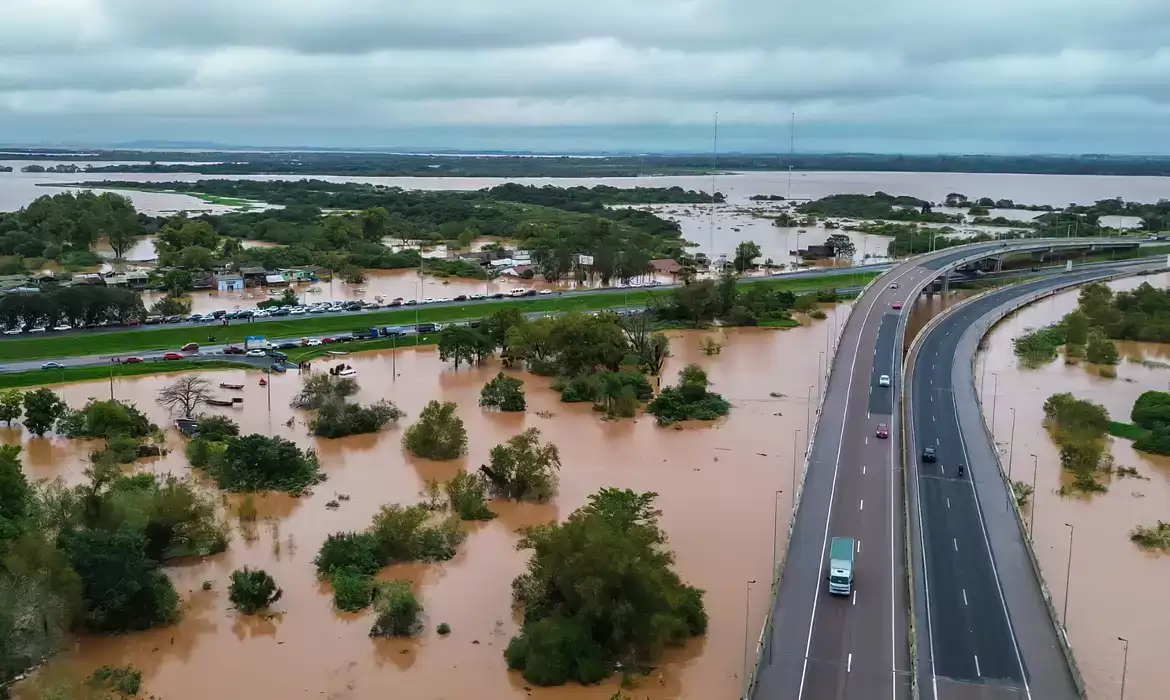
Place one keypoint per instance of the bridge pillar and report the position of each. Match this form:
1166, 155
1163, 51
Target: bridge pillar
946, 283
999, 263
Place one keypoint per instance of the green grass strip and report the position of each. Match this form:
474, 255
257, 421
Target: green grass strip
156, 339
1129, 431
42, 377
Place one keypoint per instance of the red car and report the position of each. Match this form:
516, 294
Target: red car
328, 340
132, 360
896, 305
172, 356
883, 431
233, 350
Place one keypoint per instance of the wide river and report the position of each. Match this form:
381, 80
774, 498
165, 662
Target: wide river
1114, 587
716, 486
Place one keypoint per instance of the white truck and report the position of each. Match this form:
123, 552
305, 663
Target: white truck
841, 565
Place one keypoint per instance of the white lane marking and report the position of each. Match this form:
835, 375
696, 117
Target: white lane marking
849, 664
859, 546
955, 542
867, 439
863, 470
867, 414
994, 568
855, 597
964, 596
833, 493
862, 506
948, 502
938, 442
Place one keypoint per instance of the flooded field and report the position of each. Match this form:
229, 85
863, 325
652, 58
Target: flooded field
716, 484
1114, 587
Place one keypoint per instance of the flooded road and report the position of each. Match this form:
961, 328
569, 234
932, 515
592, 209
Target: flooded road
1115, 588
716, 486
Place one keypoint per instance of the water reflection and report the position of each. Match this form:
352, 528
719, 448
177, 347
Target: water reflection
1107, 569
717, 492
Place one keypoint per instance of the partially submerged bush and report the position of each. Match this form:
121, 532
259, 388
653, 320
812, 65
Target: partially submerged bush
252, 590
337, 419
438, 434
689, 400
397, 611
523, 469
465, 493
504, 393
259, 463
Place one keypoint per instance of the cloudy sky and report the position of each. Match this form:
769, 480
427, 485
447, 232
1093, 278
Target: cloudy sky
914, 76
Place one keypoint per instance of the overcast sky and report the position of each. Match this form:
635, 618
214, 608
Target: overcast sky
1002, 76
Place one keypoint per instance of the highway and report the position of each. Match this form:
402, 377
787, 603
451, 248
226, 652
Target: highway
983, 629
822, 646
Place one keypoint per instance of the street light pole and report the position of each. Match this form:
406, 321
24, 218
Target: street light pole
1124, 664
747, 605
1011, 443
994, 395
1032, 515
775, 533
808, 412
795, 442
1067, 575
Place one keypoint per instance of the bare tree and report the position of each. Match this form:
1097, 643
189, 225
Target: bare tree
185, 395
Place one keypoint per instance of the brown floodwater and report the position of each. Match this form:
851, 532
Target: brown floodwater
715, 482
1114, 586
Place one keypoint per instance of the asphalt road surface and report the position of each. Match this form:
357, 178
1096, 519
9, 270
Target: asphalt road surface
822, 646
984, 630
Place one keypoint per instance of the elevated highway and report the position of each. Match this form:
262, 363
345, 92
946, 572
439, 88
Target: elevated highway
814, 645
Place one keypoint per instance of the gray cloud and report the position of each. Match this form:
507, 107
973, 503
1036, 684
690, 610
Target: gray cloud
961, 72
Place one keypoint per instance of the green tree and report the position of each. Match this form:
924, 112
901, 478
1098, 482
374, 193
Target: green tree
570, 632
176, 282
320, 388
465, 493
122, 224
745, 256
842, 246
1101, 350
1151, 410
504, 393
522, 469
1076, 328
252, 590
462, 344
42, 408
216, 428
337, 419
397, 610
438, 434
123, 589
496, 326
15, 495
171, 306
258, 463
657, 350
11, 405
689, 400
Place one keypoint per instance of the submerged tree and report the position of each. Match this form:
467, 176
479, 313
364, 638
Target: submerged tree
438, 434
252, 590
522, 469
185, 395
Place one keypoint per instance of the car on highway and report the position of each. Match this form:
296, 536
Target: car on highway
928, 454
312, 342
256, 352
546, 291
37, 329
288, 345
190, 347
172, 355
896, 305
233, 350
13, 331
174, 319
62, 327
883, 431
895, 285
132, 360
52, 365
884, 380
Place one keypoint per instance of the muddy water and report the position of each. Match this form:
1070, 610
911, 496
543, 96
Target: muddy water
716, 486
1114, 587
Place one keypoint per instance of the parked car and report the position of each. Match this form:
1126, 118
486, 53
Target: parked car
13, 331
174, 319
37, 329
190, 347
172, 355
883, 431
426, 328
928, 454
288, 345
410, 302
62, 327
132, 360
256, 352
151, 320
131, 322
498, 295
328, 340
195, 318
397, 301
313, 342
546, 291
52, 365
461, 297
233, 350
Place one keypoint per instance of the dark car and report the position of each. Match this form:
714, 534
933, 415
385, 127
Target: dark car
530, 293
928, 454
461, 297
233, 350
289, 345
174, 319
282, 312
343, 338
883, 431
498, 295
132, 360
426, 328
410, 302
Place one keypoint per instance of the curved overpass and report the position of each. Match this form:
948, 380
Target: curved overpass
985, 625
819, 646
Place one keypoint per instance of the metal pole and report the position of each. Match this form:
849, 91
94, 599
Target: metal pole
1067, 575
1011, 444
775, 532
820, 374
1032, 515
994, 394
1124, 665
111, 379
983, 376
747, 630
808, 412
795, 441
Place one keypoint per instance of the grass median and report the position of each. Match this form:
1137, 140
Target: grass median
42, 377
155, 339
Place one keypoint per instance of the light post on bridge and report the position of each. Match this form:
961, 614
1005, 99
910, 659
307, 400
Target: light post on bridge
747, 632
808, 412
1124, 664
994, 395
1032, 515
792, 490
1067, 576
